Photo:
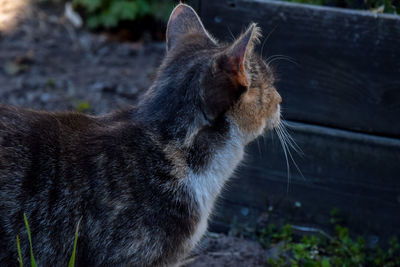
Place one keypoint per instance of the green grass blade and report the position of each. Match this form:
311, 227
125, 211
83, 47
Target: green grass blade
33, 262
72, 259
19, 252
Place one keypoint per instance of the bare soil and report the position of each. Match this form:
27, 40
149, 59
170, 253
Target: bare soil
221, 250
45, 63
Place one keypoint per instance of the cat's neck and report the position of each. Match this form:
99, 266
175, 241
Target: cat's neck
205, 185
211, 150
209, 180
202, 143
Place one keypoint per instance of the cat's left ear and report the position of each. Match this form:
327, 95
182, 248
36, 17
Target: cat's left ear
183, 20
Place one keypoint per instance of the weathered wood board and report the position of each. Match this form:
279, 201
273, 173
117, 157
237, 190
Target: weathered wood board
347, 74
353, 172
343, 97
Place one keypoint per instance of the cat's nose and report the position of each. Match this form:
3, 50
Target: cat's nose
279, 99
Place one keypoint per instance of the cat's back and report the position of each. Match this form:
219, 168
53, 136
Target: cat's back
39, 145
21, 131
28, 122
35, 148
55, 167
26, 134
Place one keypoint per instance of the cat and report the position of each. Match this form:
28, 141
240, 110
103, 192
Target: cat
144, 179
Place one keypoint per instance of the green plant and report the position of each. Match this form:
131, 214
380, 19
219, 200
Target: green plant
72, 259
19, 253
319, 250
108, 13
33, 262
83, 106
28, 230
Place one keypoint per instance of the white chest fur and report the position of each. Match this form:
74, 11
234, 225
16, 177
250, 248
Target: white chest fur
206, 186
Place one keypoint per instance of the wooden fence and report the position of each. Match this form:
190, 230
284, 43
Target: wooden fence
342, 99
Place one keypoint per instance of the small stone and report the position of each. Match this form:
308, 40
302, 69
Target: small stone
218, 19
245, 211
73, 17
44, 97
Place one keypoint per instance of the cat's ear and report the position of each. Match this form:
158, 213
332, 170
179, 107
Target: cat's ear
183, 20
229, 77
236, 55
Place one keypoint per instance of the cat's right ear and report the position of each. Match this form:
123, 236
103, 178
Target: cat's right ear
234, 59
229, 77
183, 20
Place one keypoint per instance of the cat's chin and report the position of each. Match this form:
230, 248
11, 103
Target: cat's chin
268, 125
273, 122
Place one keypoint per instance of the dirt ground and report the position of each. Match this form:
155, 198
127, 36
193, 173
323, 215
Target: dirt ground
45, 63
217, 250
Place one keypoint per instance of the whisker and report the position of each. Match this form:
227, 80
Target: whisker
233, 37
278, 55
266, 38
291, 142
286, 143
272, 137
286, 157
290, 139
259, 148
294, 162
282, 58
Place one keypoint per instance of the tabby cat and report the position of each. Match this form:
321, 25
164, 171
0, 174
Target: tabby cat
144, 179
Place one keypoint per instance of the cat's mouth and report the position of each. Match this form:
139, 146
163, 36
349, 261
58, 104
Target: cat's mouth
269, 124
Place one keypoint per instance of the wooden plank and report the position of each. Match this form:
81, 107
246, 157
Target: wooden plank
194, 3
348, 72
357, 173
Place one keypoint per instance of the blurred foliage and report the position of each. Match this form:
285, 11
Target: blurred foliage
317, 250
379, 6
83, 106
109, 13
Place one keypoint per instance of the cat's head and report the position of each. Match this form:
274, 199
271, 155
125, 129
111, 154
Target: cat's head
204, 80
